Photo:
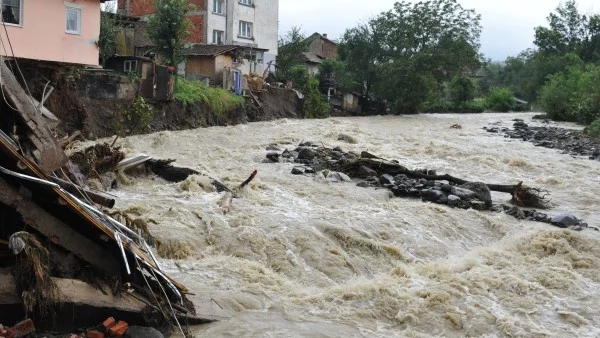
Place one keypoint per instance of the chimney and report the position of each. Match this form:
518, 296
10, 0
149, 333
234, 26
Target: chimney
325, 35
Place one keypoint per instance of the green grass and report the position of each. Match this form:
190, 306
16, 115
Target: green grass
217, 99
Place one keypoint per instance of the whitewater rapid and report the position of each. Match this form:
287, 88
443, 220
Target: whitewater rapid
297, 257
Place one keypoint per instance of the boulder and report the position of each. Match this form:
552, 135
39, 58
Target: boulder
481, 190
386, 179
436, 196
307, 154
462, 193
273, 156
365, 171
298, 170
565, 221
454, 201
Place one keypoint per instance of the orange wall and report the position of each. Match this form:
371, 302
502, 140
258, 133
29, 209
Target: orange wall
42, 35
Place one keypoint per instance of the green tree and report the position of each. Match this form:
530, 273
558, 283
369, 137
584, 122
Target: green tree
299, 76
335, 73
109, 31
315, 105
168, 28
422, 46
501, 99
462, 89
291, 47
570, 32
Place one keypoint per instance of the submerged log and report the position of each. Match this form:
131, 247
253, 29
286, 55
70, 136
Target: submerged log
521, 195
166, 170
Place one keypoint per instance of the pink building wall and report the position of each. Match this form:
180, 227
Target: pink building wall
42, 35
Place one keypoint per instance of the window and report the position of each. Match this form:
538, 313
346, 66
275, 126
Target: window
73, 19
12, 12
245, 29
218, 6
218, 37
130, 66
246, 2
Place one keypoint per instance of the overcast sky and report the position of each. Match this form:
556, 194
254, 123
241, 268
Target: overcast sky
507, 24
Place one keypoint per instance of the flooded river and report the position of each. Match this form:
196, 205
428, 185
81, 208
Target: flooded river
300, 258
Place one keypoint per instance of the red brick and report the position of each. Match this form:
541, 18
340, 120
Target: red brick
119, 329
199, 4
197, 34
108, 323
94, 334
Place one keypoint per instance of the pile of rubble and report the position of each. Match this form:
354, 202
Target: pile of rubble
367, 170
58, 245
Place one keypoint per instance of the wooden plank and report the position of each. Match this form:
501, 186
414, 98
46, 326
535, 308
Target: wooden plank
51, 156
50, 226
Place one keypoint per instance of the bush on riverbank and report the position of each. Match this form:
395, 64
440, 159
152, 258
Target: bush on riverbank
594, 129
315, 106
501, 99
217, 99
573, 95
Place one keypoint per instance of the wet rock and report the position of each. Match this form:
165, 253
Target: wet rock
307, 154
273, 147
515, 212
365, 171
309, 170
478, 205
338, 149
386, 179
287, 154
347, 139
273, 156
143, 332
298, 170
363, 184
454, 201
337, 155
344, 177
564, 221
462, 193
481, 190
436, 196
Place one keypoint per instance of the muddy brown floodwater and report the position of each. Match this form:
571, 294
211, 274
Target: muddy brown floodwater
301, 258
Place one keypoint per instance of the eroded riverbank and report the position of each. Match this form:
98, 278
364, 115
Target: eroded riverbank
300, 257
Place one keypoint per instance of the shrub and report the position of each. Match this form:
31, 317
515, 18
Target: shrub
138, 116
473, 107
594, 129
501, 99
315, 105
299, 76
462, 89
218, 100
573, 95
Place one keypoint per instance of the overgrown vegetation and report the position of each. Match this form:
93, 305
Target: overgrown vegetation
561, 75
501, 99
315, 106
219, 100
109, 32
168, 28
136, 117
594, 129
291, 47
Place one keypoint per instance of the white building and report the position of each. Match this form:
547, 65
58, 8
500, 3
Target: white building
248, 23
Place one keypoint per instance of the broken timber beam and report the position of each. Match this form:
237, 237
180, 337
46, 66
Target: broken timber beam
47, 154
85, 194
68, 238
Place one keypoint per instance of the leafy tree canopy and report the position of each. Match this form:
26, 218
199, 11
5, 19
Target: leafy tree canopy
291, 47
168, 28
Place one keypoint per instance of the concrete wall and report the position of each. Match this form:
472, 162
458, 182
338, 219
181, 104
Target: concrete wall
42, 36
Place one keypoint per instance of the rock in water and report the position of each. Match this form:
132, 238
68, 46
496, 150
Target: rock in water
454, 201
307, 154
481, 190
564, 221
298, 170
436, 196
365, 172
462, 193
386, 179
273, 156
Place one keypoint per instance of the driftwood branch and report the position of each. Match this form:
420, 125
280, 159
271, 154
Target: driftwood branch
521, 194
245, 183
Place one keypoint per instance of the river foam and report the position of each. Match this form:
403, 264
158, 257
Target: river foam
297, 257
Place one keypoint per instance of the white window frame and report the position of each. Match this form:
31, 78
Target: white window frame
245, 30
246, 2
219, 6
130, 66
20, 24
78, 9
216, 34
